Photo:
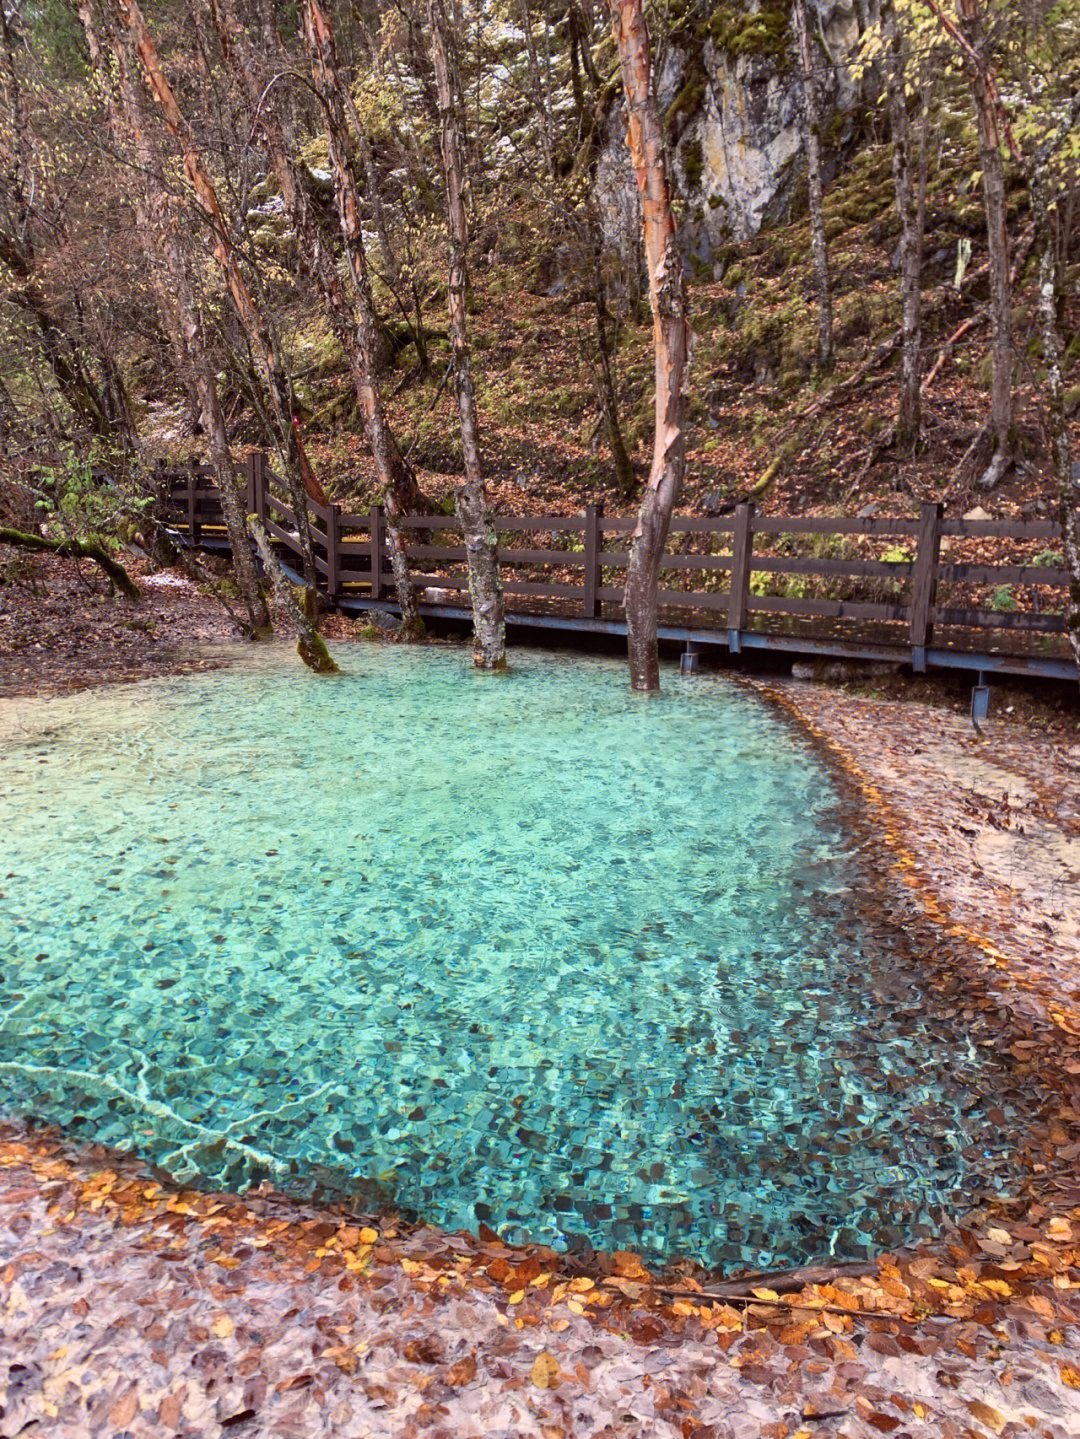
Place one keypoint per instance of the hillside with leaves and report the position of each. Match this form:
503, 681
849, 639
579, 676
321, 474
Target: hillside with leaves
92, 375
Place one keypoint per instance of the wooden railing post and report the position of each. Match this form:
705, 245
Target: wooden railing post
262, 480
333, 539
593, 547
742, 549
376, 552
251, 472
194, 529
924, 582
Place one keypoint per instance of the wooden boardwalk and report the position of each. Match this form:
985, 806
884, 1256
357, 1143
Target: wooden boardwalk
926, 590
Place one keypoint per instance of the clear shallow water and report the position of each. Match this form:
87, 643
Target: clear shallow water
524, 950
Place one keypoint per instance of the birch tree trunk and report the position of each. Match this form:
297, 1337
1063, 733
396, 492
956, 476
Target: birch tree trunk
265, 351
167, 265
817, 191
911, 208
671, 341
319, 38
470, 501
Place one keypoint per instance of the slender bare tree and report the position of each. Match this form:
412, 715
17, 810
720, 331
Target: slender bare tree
319, 38
470, 500
671, 341
972, 40
911, 208
625, 480
817, 190
539, 89
157, 224
266, 352
354, 330
1066, 469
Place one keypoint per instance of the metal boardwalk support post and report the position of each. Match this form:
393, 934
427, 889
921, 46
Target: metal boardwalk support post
980, 701
333, 541
688, 660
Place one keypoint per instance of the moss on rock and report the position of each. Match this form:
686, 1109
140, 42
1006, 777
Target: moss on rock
735, 32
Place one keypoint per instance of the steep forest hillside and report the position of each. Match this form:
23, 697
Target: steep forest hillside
842, 151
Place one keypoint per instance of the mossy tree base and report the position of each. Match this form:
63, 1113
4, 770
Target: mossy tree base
312, 650
310, 645
413, 631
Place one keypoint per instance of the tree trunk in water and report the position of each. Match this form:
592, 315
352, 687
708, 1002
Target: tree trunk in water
319, 38
910, 208
671, 341
987, 110
310, 645
470, 502
167, 266
817, 191
265, 351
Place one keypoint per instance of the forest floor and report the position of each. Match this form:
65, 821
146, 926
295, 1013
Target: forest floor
61, 629
129, 1306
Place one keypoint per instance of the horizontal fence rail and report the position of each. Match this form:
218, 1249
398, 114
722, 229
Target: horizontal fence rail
920, 589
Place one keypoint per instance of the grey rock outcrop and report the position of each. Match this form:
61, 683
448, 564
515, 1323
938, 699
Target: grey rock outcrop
729, 90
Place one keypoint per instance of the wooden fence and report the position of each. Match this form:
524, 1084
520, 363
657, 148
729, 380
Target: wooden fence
916, 588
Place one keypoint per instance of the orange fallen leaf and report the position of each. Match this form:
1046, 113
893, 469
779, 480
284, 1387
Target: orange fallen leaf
545, 1373
462, 1371
124, 1410
987, 1415
998, 1286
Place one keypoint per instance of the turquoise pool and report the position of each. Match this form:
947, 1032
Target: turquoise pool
526, 950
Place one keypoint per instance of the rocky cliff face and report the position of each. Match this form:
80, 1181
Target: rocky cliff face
729, 90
